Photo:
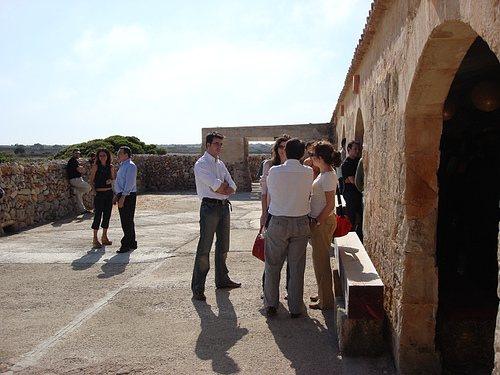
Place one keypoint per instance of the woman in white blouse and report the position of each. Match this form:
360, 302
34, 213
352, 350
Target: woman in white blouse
323, 222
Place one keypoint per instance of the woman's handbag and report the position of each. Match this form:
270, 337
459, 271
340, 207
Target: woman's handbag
258, 246
343, 223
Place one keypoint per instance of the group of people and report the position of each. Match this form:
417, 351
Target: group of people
107, 190
298, 204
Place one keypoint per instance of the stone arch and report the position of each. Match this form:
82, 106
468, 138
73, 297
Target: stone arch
359, 128
343, 133
441, 57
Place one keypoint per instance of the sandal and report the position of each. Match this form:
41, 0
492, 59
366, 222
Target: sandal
105, 241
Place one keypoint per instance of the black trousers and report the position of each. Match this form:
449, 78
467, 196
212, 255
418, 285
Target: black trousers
353, 199
103, 205
127, 213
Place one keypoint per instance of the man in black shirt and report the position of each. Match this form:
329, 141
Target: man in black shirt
352, 196
80, 187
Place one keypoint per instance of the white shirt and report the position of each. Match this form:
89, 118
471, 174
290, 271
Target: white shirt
289, 186
210, 173
324, 182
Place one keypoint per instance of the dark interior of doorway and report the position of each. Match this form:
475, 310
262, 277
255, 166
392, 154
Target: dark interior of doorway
468, 214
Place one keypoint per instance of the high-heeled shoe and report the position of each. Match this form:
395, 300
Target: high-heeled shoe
96, 244
105, 241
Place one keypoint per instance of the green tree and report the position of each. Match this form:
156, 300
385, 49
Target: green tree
112, 143
19, 150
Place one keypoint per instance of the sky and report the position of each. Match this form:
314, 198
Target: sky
161, 70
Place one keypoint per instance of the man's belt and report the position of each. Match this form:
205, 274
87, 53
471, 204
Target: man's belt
221, 202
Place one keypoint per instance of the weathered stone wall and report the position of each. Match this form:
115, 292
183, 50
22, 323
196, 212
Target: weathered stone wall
34, 192
38, 192
405, 63
165, 172
254, 162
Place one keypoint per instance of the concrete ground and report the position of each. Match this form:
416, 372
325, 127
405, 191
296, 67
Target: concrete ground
69, 309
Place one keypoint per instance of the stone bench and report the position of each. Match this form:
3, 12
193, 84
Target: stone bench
359, 300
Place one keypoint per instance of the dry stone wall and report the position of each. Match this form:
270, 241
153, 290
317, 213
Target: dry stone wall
40, 192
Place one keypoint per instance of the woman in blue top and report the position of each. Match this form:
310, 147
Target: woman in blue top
102, 176
323, 222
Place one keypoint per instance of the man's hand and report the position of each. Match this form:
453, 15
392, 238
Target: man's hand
350, 180
121, 201
225, 189
222, 188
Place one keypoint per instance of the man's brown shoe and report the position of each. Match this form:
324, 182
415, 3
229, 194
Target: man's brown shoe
231, 284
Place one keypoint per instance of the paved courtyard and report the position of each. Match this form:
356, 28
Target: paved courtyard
69, 309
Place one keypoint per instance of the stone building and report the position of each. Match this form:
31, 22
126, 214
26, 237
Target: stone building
423, 95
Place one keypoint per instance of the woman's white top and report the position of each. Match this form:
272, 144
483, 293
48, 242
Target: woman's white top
324, 182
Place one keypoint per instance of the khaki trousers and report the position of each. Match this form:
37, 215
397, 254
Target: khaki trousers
321, 240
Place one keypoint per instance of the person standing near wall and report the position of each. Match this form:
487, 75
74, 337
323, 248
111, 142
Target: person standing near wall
74, 171
351, 194
343, 155
126, 197
289, 185
214, 184
102, 176
323, 221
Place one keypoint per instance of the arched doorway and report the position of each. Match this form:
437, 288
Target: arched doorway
468, 212
439, 61
359, 129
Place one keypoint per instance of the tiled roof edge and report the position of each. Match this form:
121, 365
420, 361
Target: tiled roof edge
377, 10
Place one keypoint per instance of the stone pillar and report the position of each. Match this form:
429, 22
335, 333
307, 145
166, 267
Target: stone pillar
235, 151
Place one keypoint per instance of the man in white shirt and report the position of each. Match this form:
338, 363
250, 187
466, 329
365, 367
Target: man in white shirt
213, 185
289, 186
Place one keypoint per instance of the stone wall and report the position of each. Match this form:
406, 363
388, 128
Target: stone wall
40, 192
392, 102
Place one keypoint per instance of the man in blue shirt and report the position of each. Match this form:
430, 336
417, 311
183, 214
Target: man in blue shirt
126, 196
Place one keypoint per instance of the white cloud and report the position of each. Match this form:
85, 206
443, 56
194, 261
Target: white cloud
218, 68
95, 51
335, 14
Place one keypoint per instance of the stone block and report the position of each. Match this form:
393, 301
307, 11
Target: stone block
422, 134
358, 337
420, 280
418, 324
